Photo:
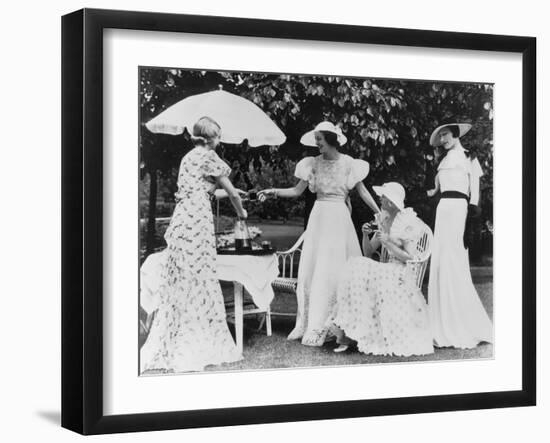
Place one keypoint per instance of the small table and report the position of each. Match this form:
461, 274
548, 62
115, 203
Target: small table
251, 272
255, 274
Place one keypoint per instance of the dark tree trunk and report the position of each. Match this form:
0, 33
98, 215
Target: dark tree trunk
152, 215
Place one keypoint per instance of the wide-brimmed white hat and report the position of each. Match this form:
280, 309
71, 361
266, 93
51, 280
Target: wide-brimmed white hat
463, 129
308, 138
392, 191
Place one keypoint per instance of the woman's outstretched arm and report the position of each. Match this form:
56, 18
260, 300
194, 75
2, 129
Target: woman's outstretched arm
222, 193
296, 191
233, 195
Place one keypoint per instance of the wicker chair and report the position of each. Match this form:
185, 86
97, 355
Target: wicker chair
287, 281
424, 250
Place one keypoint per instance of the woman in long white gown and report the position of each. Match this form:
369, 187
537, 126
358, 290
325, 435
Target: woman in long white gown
330, 238
457, 315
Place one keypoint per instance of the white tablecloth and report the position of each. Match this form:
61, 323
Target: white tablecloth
255, 273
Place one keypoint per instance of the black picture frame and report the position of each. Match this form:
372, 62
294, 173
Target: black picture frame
82, 217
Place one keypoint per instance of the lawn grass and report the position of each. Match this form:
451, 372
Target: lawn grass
262, 352
275, 352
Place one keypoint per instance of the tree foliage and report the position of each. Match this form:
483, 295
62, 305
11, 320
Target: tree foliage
387, 122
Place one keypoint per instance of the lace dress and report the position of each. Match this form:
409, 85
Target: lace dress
190, 329
379, 304
330, 240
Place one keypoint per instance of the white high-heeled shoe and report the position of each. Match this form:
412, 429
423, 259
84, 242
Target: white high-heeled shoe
341, 348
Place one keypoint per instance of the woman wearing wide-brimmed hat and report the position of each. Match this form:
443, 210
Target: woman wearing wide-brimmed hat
378, 304
457, 315
330, 238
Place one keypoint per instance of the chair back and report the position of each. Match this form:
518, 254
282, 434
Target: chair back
290, 258
423, 249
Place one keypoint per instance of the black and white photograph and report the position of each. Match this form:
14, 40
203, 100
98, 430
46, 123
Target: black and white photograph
266, 222
295, 220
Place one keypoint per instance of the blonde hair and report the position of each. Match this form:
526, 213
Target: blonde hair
204, 131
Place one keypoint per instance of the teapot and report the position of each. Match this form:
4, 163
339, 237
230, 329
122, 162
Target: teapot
243, 242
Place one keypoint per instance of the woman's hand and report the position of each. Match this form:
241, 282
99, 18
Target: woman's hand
431, 192
242, 194
380, 237
367, 228
266, 193
243, 215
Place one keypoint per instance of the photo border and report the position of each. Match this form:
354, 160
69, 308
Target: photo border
82, 220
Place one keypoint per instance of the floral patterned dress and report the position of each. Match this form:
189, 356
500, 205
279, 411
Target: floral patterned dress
190, 329
379, 304
330, 240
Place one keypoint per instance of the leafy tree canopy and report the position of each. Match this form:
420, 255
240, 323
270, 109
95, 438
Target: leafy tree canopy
388, 122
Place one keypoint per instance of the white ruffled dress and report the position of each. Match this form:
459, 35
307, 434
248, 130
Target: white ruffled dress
330, 241
379, 304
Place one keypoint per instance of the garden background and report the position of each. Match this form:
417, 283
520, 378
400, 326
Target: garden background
388, 123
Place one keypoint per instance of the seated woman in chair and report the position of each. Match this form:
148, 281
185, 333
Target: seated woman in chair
378, 304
